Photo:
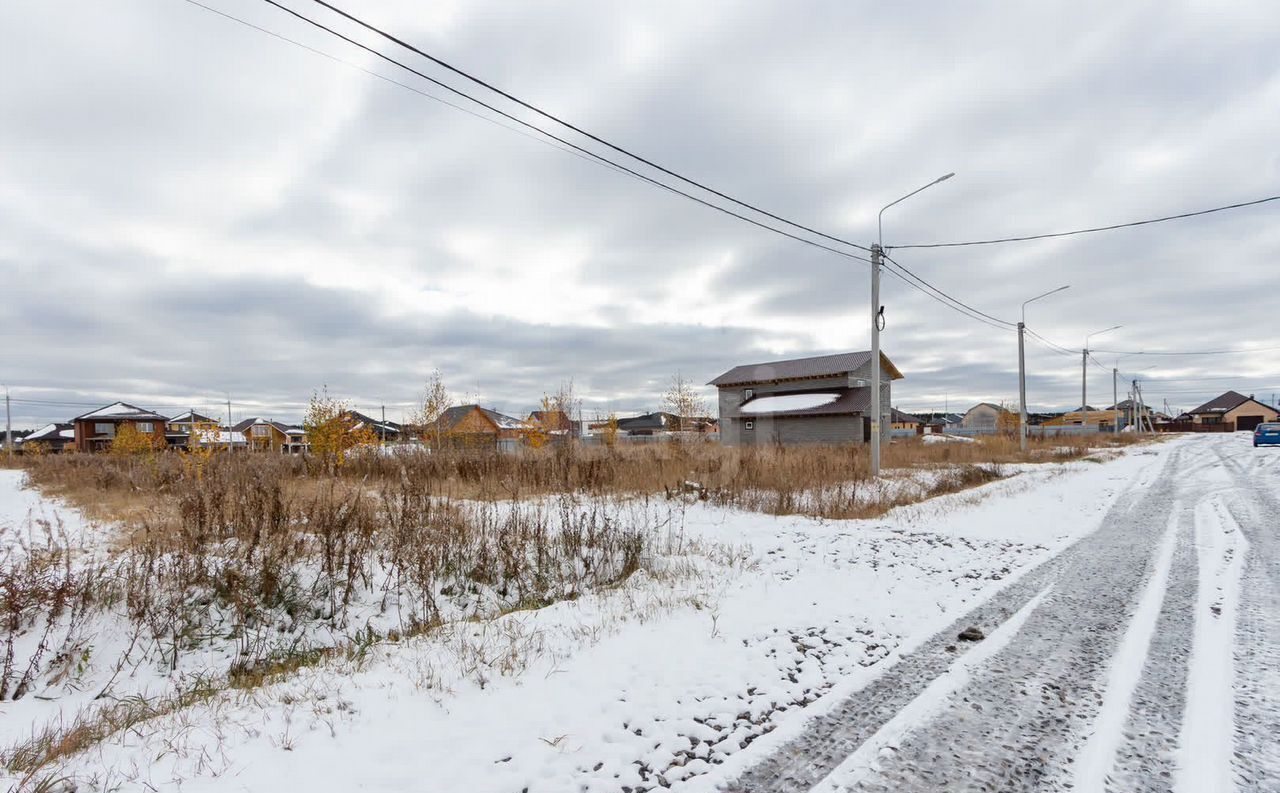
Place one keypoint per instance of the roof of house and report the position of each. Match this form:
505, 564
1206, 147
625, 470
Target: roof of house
800, 368
904, 418
846, 400
361, 420
121, 411
991, 405
49, 432
186, 418
454, 415
1227, 402
554, 419
244, 425
658, 420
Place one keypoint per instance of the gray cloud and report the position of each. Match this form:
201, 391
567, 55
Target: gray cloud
189, 207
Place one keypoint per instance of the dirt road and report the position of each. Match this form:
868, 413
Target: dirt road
1146, 657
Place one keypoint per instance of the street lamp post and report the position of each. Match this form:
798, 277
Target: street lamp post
877, 255
1022, 369
1084, 374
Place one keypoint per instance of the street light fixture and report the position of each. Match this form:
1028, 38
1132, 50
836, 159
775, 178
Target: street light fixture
877, 255
1084, 374
1022, 368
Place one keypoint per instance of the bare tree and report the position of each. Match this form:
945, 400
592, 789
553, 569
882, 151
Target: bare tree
682, 399
435, 401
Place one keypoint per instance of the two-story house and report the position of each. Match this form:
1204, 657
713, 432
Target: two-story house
94, 431
823, 399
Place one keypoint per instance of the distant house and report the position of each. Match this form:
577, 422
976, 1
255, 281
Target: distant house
1084, 418
384, 431
554, 422
904, 421
94, 431
53, 437
185, 422
1244, 412
472, 426
823, 399
179, 428
987, 416
261, 434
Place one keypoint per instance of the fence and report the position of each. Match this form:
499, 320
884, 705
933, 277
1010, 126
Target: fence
1191, 426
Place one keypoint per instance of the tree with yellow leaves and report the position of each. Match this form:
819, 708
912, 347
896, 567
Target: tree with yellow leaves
130, 440
331, 430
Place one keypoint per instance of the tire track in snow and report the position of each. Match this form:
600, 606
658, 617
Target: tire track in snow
1010, 728
1257, 693
1096, 762
861, 762
1206, 743
1144, 761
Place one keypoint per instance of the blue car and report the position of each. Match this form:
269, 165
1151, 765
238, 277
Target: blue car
1267, 434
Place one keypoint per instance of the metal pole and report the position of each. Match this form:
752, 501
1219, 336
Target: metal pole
382, 430
228, 424
1084, 389
1115, 402
8, 426
875, 359
1022, 390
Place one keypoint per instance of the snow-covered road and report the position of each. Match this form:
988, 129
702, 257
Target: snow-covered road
1145, 657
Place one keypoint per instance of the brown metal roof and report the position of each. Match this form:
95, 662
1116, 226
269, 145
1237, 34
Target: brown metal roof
1226, 402
801, 368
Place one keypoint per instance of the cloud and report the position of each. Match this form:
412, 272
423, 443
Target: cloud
197, 208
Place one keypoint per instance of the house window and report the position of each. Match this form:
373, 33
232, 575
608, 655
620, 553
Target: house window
748, 425
104, 429
747, 393
146, 426
260, 430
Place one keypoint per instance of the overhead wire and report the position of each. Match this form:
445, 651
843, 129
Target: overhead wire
920, 284
595, 156
395, 82
1112, 227
557, 119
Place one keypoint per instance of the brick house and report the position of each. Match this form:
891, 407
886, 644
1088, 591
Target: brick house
1244, 412
94, 431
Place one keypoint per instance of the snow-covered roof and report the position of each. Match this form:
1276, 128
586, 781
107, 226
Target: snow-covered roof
122, 410
787, 402
222, 437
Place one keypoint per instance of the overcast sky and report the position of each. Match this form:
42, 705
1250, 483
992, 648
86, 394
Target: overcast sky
190, 207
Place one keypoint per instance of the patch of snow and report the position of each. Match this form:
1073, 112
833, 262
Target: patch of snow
946, 438
1206, 742
778, 404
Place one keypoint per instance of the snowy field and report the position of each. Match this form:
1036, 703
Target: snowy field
683, 677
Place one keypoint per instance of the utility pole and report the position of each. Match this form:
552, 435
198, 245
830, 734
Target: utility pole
1084, 377
1022, 369
876, 253
1022, 388
8, 425
1115, 401
228, 423
382, 428
1084, 387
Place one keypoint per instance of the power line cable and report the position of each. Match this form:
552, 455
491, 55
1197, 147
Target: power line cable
1187, 353
603, 160
947, 296
395, 82
552, 117
597, 158
1089, 230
